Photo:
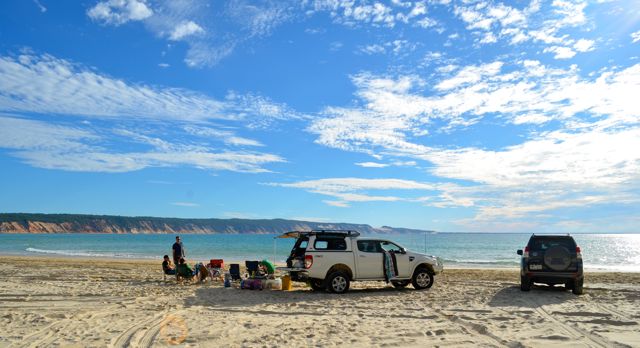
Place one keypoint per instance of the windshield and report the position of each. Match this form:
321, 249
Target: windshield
542, 244
391, 247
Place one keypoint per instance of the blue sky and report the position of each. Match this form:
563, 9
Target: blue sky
454, 116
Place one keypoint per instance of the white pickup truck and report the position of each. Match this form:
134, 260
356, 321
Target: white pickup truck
330, 260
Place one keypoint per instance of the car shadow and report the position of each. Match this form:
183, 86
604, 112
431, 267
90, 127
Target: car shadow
538, 296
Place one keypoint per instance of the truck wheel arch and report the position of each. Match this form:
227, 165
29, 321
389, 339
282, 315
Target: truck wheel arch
423, 265
340, 267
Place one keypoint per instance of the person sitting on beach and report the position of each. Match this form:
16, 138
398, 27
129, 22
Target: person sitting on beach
183, 270
167, 266
267, 268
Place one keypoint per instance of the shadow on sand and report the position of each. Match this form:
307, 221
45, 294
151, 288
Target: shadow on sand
219, 297
539, 295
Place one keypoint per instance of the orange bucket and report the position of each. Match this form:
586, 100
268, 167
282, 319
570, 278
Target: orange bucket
286, 283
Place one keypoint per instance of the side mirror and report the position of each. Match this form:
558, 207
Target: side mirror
403, 251
519, 252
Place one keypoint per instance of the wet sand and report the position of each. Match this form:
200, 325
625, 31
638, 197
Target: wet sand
84, 302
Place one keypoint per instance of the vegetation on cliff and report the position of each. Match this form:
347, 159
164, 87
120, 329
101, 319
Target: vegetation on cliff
79, 223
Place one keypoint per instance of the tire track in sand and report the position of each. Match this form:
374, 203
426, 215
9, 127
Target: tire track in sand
576, 333
482, 331
152, 332
125, 339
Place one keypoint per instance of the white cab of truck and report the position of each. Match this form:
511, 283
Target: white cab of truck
331, 259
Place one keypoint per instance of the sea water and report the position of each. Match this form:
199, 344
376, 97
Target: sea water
615, 252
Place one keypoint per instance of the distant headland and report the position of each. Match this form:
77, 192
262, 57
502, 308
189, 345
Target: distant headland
81, 223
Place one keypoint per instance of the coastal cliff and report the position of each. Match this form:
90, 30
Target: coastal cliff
75, 223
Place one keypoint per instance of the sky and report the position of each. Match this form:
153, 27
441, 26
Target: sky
478, 116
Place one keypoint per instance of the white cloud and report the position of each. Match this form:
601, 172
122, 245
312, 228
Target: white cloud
384, 165
40, 6
354, 189
373, 49
470, 74
531, 119
195, 22
589, 160
583, 45
376, 14
395, 47
491, 23
339, 204
635, 37
335, 46
24, 134
226, 136
117, 12
51, 146
48, 85
561, 52
427, 22
185, 29
371, 164
185, 204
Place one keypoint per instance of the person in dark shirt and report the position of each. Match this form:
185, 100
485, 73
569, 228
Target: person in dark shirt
178, 252
167, 267
184, 270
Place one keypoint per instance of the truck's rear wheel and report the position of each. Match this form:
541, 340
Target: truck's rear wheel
422, 279
338, 282
525, 283
578, 287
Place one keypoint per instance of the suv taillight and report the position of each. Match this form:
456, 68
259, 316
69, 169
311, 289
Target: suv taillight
578, 252
526, 252
308, 261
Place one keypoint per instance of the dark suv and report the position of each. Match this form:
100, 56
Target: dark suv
551, 259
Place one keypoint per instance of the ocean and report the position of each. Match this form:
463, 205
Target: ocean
612, 252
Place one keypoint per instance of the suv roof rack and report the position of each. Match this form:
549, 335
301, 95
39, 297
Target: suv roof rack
350, 233
297, 234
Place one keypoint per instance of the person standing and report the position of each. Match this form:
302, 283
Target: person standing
178, 252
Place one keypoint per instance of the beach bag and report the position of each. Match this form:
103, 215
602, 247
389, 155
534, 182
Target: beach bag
251, 284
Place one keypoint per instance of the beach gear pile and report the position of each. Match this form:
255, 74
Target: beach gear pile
258, 275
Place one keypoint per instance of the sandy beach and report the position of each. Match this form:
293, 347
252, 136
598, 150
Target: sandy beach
83, 302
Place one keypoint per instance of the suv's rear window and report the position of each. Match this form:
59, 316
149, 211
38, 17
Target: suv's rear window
330, 244
544, 243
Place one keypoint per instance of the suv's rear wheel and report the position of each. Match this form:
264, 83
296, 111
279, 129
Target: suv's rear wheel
525, 283
422, 279
338, 282
316, 284
577, 287
400, 284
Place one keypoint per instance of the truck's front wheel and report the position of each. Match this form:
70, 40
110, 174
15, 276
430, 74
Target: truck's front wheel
338, 282
422, 279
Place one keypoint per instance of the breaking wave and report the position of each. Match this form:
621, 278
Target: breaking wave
82, 253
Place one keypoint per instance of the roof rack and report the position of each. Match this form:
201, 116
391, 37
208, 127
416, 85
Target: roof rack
297, 234
350, 233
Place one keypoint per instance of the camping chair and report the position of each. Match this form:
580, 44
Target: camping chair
216, 269
253, 268
199, 274
234, 270
164, 274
